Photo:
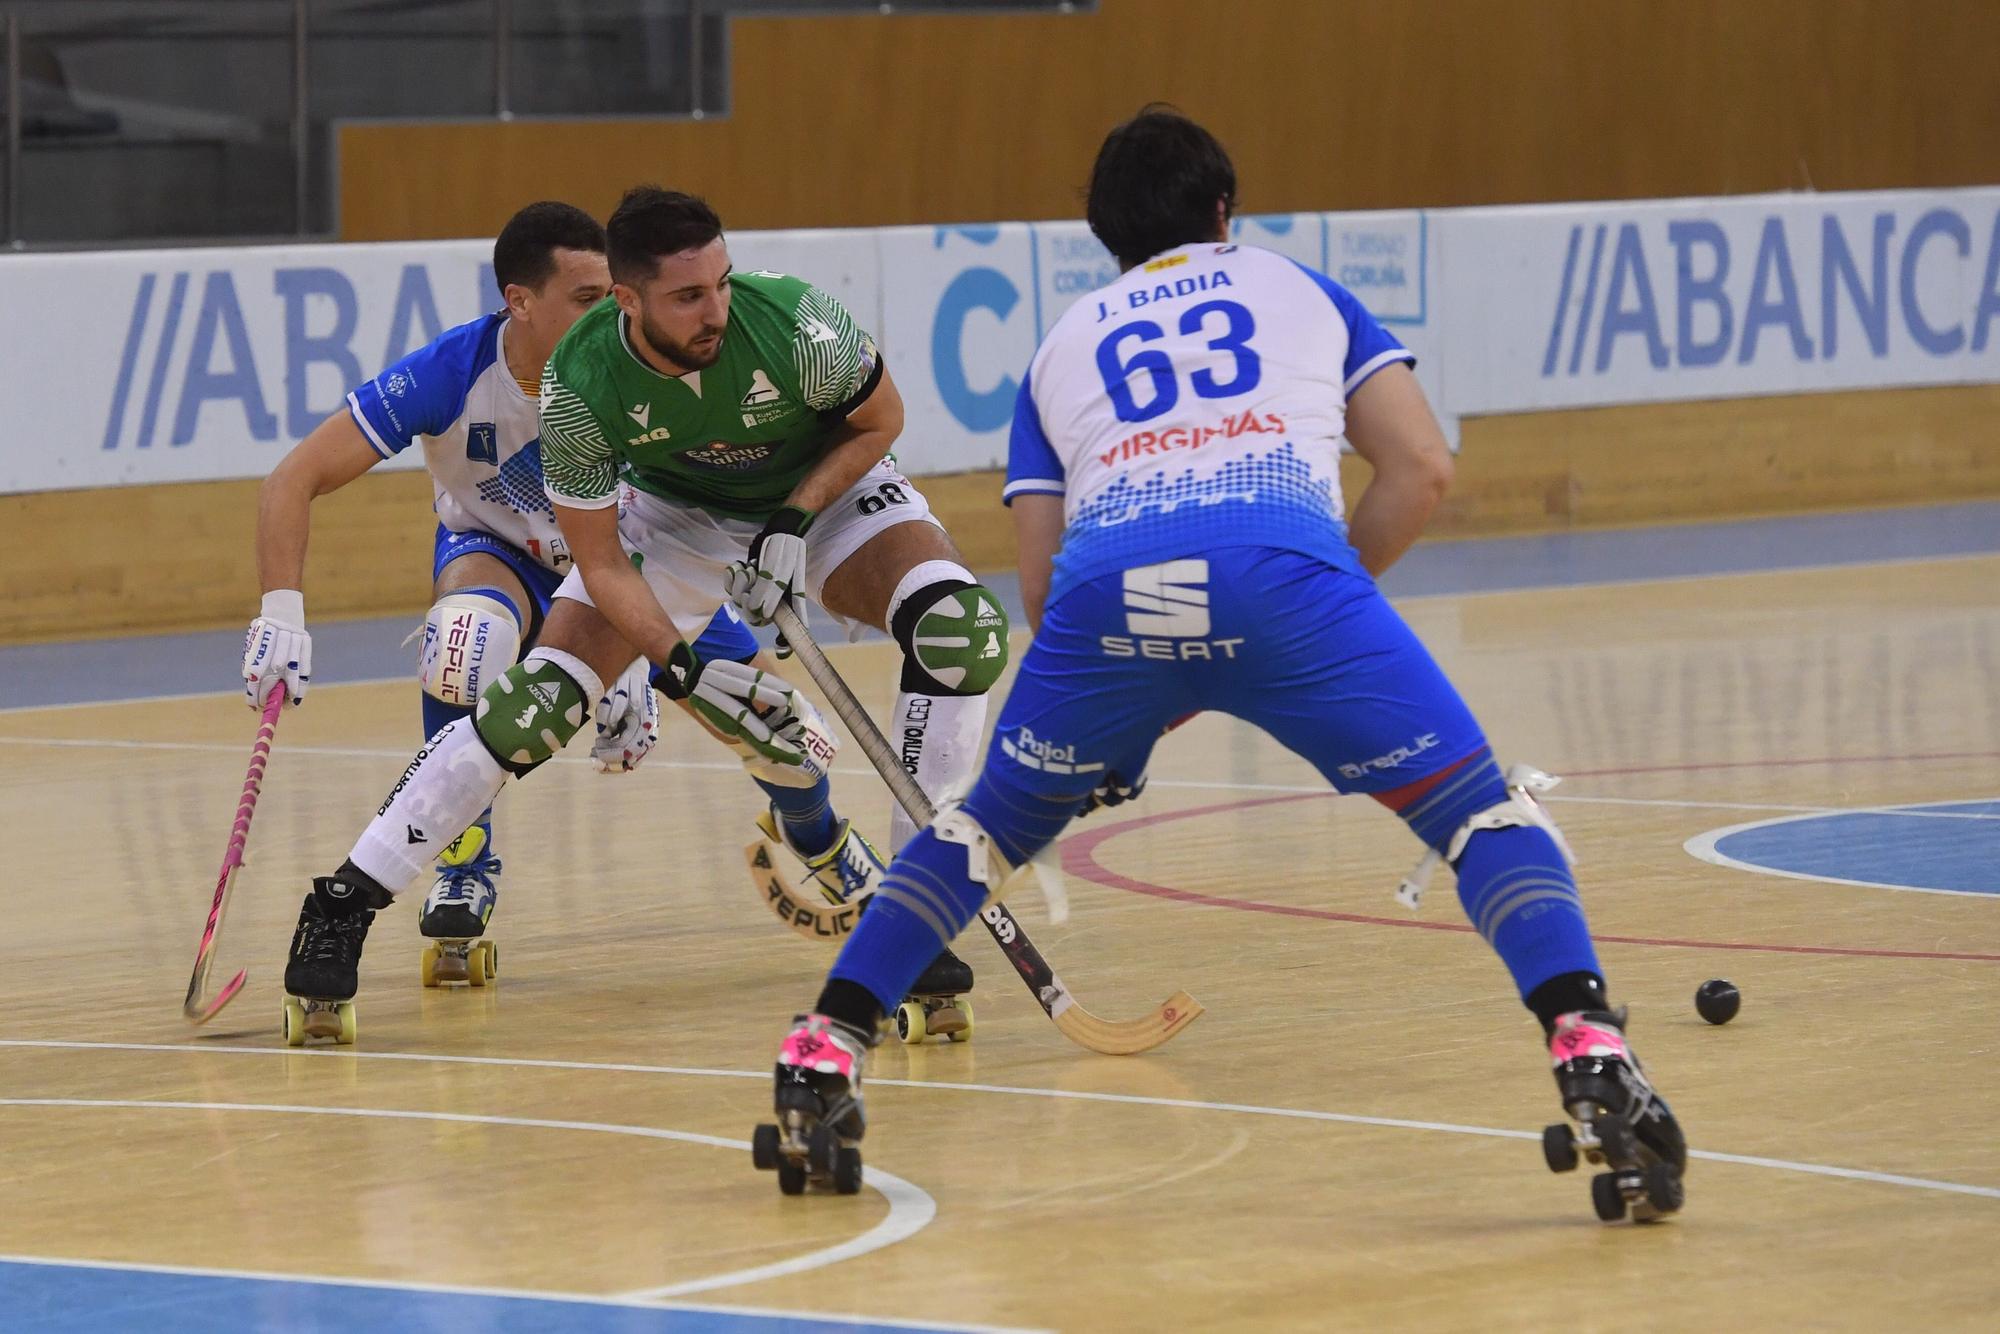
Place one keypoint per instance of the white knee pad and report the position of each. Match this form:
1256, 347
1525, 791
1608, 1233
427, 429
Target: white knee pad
1520, 809
469, 639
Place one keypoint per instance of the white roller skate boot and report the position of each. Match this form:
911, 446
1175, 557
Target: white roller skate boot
457, 910
846, 871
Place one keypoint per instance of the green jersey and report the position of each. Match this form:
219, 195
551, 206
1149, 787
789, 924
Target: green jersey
734, 438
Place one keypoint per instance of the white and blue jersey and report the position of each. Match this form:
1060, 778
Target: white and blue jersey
1191, 417
1199, 400
481, 435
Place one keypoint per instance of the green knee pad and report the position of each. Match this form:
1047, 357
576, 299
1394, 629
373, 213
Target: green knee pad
529, 713
958, 641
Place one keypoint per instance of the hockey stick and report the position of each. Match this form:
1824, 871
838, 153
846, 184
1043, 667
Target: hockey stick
194, 1009
814, 921
1109, 1036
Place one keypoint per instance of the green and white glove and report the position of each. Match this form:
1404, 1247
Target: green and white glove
742, 702
775, 569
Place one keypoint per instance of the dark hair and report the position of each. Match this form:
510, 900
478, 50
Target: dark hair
649, 223
525, 252
1155, 185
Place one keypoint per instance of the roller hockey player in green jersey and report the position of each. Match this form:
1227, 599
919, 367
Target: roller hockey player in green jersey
752, 420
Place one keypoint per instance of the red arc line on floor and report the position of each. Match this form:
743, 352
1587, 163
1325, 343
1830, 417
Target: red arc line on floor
1079, 858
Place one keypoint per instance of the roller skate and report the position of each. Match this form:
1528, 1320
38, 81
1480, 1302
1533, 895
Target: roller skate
818, 1102
1622, 1122
845, 872
456, 913
936, 1006
323, 972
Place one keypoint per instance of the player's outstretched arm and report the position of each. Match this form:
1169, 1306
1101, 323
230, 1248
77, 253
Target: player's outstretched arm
1389, 423
1038, 530
277, 645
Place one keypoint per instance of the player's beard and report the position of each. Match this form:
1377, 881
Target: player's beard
684, 355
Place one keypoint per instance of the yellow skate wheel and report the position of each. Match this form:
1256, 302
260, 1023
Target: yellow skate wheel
475, 965
345, 1009
910, 1026
492, 960
429, 965
295, 1023
964, 1034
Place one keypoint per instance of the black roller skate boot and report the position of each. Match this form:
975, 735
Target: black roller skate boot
322, 974
818, 1103
1621, 1121
936, 1007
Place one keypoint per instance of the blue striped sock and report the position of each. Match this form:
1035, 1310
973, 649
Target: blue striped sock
1518, 891
806, 813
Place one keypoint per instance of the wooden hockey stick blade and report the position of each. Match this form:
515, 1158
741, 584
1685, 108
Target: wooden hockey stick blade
1128, 1037
814, 921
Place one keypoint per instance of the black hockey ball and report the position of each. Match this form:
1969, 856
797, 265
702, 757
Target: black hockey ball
1717, 1000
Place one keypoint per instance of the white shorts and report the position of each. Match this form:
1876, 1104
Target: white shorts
685, 549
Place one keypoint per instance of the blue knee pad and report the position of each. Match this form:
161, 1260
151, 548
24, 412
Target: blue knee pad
1514, 883
1474, 786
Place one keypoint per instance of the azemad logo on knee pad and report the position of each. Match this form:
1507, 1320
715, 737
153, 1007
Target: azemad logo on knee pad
1027, 749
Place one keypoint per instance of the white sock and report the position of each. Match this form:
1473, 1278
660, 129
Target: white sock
937, 738
452, 779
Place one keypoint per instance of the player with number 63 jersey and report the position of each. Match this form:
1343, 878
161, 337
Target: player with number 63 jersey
1174, 476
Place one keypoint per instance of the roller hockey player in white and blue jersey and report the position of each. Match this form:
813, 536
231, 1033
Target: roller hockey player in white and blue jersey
469, 398
1174, 480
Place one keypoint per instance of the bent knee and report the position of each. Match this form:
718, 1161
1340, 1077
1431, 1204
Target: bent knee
471, 636
953, 632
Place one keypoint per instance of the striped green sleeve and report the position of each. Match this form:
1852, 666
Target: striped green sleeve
578, 467
835, 357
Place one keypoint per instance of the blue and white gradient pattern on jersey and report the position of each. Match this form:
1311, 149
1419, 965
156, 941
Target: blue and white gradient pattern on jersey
1198, 401
481, 436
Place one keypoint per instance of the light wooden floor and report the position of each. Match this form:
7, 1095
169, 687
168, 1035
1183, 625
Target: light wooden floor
1346, 1140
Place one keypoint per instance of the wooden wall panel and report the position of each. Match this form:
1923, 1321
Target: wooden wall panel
925, 118
1724, 458
133, 559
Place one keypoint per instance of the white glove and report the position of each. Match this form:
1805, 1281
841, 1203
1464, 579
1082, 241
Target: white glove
775, 569
628, 722
277, 648
742, 702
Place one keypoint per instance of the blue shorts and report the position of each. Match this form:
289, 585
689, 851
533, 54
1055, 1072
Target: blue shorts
1313, 655
726, 636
